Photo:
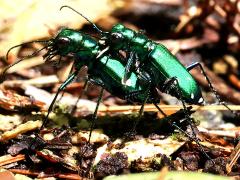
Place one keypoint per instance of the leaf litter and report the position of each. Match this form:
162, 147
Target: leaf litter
64, 152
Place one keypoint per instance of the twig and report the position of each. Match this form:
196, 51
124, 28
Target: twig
38, 60
165, 108
40, 81
57, 175
22, 128
8, 159
234, 157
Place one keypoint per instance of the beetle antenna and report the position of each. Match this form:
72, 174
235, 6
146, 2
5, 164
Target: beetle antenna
88, 34
41, 41
18, 61
93, 24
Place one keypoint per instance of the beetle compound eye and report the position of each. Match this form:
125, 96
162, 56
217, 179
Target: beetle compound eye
117, 37
62, 42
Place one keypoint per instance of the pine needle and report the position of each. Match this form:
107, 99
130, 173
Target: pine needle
150, 107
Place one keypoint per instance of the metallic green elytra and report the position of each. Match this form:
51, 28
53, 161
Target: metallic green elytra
154, 57
169, 66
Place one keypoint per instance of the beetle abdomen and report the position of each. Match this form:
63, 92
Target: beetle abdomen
170, 67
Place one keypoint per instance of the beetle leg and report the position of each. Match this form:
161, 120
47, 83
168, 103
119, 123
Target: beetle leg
160, 110
195, 139
59, 99
73, 110
173, 83
145, 93
190, 67
66, 82
99, 82
96, 81
145, 79
130, 63
170, 84
94, 117
131, 96
149, 93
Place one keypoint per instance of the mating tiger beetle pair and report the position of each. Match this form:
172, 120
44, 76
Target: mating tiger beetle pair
146, 68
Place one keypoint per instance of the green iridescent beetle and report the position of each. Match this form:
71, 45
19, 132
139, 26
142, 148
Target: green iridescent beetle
102, 70
146, 55
105, 71
155, 59
143, 54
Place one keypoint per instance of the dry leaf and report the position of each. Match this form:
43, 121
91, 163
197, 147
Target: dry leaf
23, 128
144, 149
23, 21
9, 100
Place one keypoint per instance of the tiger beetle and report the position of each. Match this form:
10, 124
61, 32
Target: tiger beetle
160, 67
143, 54
104, 71
163, 70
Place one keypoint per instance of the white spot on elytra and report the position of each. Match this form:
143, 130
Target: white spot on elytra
137, 63
200, 100
192, 96
127, 82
